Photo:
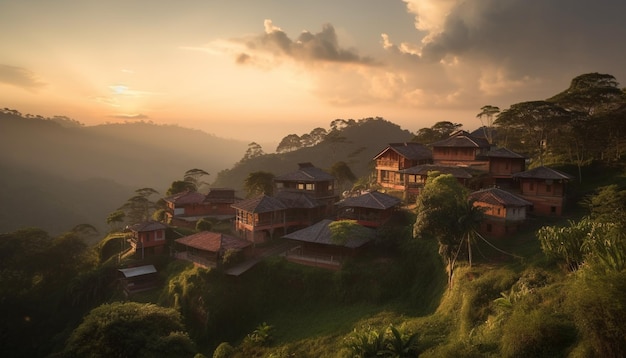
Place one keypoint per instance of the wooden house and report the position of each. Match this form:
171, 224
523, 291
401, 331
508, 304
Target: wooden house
264, 217
314, 245
312, 181
147, 238
503, 163
370, 209
396, 157
545, 188
504, 212
461, 149
208, 249
415, 177
186, 208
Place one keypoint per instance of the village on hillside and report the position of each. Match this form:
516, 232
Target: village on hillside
296, 220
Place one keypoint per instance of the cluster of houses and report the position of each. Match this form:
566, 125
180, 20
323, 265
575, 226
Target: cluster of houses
306, 202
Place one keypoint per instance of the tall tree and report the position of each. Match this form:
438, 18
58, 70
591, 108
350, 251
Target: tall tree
444, 213
259, 182
533, 127
488, 112
440, 130
289, 143
254, 150
591, 93
343, 174
194, 176
139, 207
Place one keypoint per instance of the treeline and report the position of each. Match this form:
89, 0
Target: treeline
584, 123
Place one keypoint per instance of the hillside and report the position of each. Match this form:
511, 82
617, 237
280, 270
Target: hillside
356, 145
57, 175
136, 154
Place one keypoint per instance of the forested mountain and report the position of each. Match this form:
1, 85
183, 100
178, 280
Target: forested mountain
354, 142
57, 173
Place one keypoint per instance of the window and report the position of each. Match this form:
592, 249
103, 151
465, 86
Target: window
553, 209
310, 187
548, 188
531, 185
158, 236
279, 185
300, 186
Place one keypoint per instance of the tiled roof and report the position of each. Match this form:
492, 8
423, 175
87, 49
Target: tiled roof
147, 226
306, 173
372, 200
503, 153
496, 196
213, 241
138, 271
462, 139
409, 150
297, 199
543, 173
319, 233
220, 195
260, 204
187, 197
423, 169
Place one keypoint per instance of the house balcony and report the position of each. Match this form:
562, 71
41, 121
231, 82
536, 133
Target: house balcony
387, 164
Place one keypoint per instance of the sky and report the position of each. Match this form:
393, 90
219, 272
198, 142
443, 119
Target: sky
259, 70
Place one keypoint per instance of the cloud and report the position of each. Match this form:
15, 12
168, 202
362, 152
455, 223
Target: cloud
20, 77
321, 47
466, 52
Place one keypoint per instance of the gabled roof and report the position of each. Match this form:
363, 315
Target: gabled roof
496, 196
503, 153
147, 226
220, 195
457, 172
213, 241
462, 139
306, 173
319, 233
371, 200
260, 204
408, 150
543, 173
185, 198
297, 199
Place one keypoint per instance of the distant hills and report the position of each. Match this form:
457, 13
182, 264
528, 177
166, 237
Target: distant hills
57, 173
355, 144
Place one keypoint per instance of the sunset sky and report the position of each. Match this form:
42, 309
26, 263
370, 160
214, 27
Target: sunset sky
259, 70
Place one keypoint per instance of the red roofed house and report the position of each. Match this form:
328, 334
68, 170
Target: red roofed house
545, 188
461, 149
209, 249
504, 212
147, 238
186, 208
371, 209
396, 157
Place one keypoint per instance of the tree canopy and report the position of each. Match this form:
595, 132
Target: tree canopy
130, 329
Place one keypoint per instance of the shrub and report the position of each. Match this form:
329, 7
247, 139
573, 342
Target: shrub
224, 350
536, 334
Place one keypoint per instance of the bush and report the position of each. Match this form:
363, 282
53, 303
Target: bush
536, 334
224, 350
596, 302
